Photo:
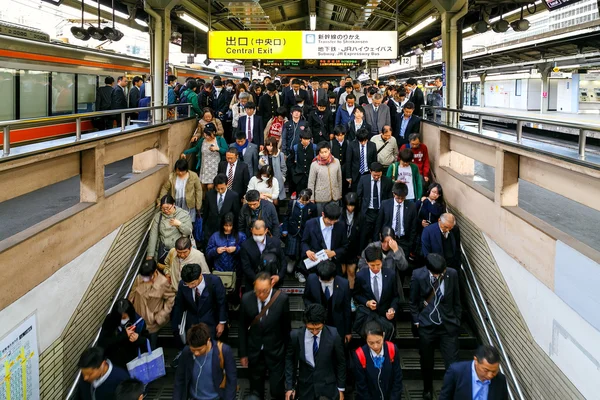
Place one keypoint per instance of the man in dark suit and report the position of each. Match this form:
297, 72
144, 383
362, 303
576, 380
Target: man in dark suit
221, 99
478, 379
442, 238
134, 92
373, 189
269, 103
361, 153
416, 95
317, 354
436, 311
401, 216
407, 124
252, 125
100, 378
103, 103
320, 121
253, 248
203, 297
254, 209
333, 293
325, 233
377, 114
264, 333
376, 294
236, 171
315, 93
118, 101
289, 99
218, 202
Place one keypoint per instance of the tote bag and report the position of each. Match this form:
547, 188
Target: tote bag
149, 366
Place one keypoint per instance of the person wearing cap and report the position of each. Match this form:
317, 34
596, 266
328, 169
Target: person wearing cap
209, 150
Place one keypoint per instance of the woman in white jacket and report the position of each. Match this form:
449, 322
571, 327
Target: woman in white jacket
266, 184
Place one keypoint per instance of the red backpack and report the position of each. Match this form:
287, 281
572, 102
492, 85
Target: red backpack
360, 354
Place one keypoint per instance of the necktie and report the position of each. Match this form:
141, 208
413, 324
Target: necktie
327, 293
315, 346
315, 97
362, 159
376, 288
220, 203
249, 130
435, 282
375, 196
399, 227
198, 294
230, 177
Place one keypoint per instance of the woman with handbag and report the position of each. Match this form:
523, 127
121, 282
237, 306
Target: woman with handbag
168, 225
325, 177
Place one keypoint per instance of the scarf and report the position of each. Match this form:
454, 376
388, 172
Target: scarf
241, 148
322, 161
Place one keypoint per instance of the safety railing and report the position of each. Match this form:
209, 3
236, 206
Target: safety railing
483, 313
7, 126
126, 283
453, 116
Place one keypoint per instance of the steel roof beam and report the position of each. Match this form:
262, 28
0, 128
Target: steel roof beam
277, 3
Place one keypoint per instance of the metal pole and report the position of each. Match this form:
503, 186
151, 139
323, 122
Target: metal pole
77, 129
122, 121
480, 127
582, 140
519, 131
189, 110
6, 145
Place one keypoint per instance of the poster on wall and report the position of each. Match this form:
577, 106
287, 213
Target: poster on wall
20, 363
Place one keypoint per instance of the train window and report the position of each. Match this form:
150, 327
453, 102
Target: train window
34, 94
63, 93
86, 93
7, 100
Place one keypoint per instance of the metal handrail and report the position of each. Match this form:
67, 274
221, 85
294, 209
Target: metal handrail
520, 119
41, 121
511, 374
116, 297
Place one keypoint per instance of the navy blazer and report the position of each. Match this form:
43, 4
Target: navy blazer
205, 310
389, 292
296, 218
289, 99
373, 386
312, 239
413, 126
341, 312
450, 309
185, 371
241, 176
458, 384
364, 191
258, 136
431, 242
210, 210
106, 391
386, 216
353, 159
220, 103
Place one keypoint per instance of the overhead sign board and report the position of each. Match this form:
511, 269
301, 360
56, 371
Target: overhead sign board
317, 45
339, 63
556, 4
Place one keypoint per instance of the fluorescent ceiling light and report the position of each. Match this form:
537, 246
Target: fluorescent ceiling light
117, 13
421, 25
192, 21
313, 22
140, 22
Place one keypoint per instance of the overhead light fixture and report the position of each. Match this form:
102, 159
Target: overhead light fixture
479, 27
500, 26
97, 32
112, 33
421, 25
520, 25
313, 22
79, 32
193, 21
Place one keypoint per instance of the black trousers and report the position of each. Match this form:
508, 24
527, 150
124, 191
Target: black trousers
258, 368
368, 229
428, 337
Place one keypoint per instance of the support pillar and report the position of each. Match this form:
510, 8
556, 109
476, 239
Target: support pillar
575, 93
248, 69
482, 89
545, 91
506, 190
91, 186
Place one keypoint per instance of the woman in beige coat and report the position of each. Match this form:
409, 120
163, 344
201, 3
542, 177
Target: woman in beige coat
207, 117
325, 177
152, 297
185, 187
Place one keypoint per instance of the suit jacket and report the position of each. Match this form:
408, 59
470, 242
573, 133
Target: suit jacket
250, 258
268, 213
320, 125
321, 95
268, 106
289, 98
205, 99
365, 192
184, 375
341, 311
210, 211
271, 334
117, 99
370, 381
312, 239
241, 176
414, 126
418, 99
389, 292
258, 128
106, 391
383, 117
409, 220
203, 310
329, 373
220, 102
339, 152
449, 307
351, 133
104, 98
431, 242
353, 159
458, 383
134, 97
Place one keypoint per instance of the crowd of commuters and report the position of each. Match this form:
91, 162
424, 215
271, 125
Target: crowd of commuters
364, 217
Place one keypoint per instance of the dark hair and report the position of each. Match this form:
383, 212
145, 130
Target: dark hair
376, 167
92, 357
435, 263
305, 194
323, 145
332, 95
273, 142
406, 155
250, 105
281, 111
167, 199
322, 103
362, 134
209, 111
315, 314
306, 133
298, 99
136, 79
181, 165
351, 97
183, 243
355, 81
332, 211
190, 272
239, 135
414, 136
147, 268
411, 81
220, 179
198, 335
440, 200
372, 91
373, 253
387, 231
257, 222
208, 85
271, 87
266, 170
339, 129
326, 270
191, 84
296, 81
269, 262
400, 189
252, 195
263, 276
487, 353
120, 78
409, 105
228, 218
359, 108
217, 82
351, 199
210, 129
373, 328
122, 306
129, 389
296, 108
109, 80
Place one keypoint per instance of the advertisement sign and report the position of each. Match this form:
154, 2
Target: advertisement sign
238, 69
317, 45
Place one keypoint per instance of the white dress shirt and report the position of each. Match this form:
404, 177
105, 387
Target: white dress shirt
231, 167
442, 287
308, 346
199, 289
402, 233
379, 282
326, 231
267, 300
327, 285
378, 191
262, 245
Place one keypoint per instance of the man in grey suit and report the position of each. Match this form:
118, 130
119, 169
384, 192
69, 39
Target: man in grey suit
315, 93
377, 114
248, 152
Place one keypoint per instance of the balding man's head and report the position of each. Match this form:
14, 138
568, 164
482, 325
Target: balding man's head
447, 222
259, 227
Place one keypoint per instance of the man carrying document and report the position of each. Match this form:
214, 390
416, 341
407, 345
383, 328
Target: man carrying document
324, 238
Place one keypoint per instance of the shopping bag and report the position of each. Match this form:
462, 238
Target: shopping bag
182, 332
227, 277
149, 366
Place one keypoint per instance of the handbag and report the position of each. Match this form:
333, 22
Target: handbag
182, 333
162, 251
198, 229
227, 277
149, 366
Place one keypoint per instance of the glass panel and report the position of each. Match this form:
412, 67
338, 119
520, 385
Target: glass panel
7, 100
86, 93
34, 94
63, 86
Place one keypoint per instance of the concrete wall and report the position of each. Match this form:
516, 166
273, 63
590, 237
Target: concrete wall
502, 94
564, 95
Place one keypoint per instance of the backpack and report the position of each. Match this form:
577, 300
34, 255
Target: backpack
295, 147
182, 110
362, 359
